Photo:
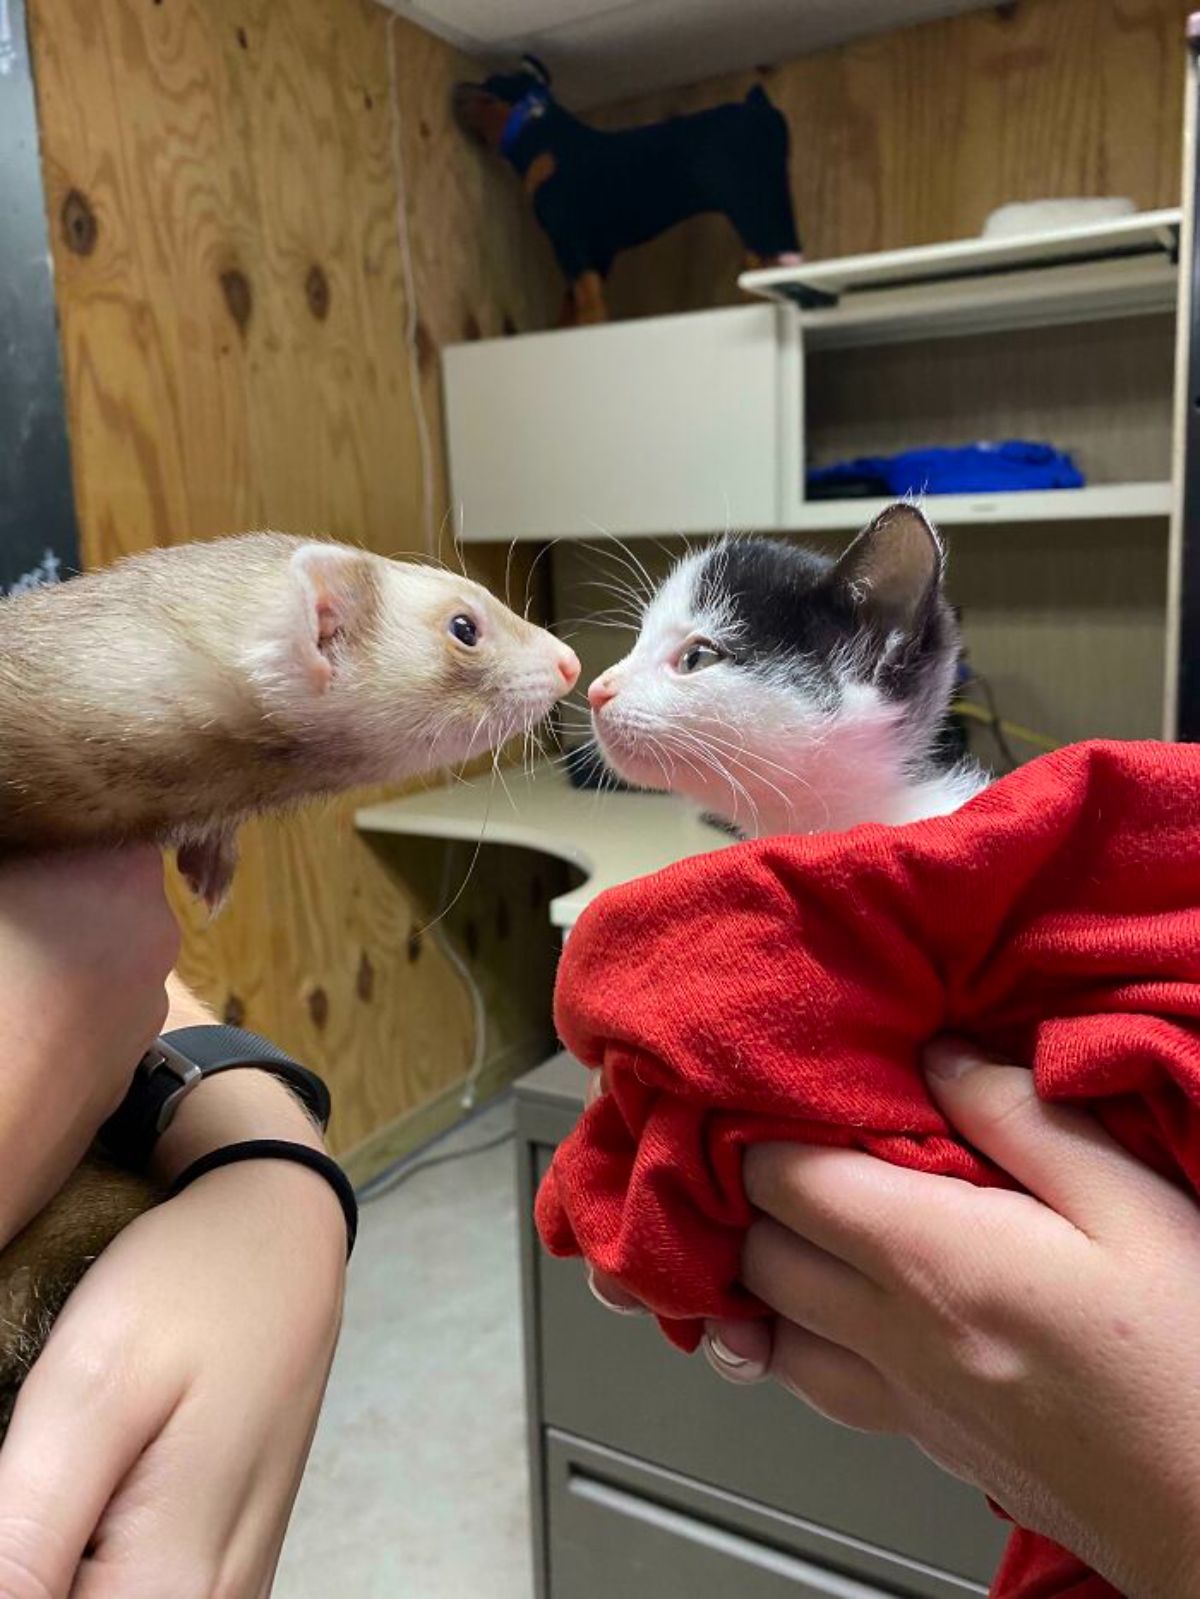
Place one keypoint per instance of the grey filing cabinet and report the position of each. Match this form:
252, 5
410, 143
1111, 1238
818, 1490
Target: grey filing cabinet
652, 1479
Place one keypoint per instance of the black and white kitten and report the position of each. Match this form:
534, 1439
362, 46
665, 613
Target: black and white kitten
787, 692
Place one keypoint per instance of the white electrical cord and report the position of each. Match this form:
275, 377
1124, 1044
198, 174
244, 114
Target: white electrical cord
425, 451
478, 1009
411, 318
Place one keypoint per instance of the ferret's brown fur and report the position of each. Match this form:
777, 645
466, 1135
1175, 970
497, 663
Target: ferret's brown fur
171, 696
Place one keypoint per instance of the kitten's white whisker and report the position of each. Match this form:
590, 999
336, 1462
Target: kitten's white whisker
748, 753
737, 788
619, 590
637, 561
618, 551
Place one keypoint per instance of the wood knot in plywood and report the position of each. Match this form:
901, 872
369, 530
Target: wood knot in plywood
235, 286
318, 1007
79, 226
426, 348
364, 982
234, 1012
316, 292
471, 328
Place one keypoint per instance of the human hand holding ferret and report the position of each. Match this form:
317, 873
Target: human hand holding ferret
157, 1444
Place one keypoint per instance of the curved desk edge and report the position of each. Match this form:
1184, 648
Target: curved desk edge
609, 838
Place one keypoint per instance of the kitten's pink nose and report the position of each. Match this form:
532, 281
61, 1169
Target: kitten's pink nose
600, 692
568, 668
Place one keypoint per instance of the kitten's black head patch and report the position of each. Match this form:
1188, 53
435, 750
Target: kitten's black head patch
877, 615
773, 604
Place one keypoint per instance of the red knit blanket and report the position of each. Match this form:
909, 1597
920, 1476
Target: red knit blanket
782, 989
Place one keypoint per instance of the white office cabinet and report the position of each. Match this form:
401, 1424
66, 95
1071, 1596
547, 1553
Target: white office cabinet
662, 425
706, 421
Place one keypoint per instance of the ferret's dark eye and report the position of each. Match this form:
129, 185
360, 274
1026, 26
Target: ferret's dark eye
464, 629
697, 656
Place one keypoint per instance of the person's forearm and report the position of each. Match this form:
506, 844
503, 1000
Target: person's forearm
219, 1311
86, 941
229, 1108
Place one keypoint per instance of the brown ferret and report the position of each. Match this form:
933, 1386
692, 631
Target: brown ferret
173, 695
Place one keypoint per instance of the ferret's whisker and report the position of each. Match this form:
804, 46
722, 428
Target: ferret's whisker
508, 561
462, 887
544, 550
459, 537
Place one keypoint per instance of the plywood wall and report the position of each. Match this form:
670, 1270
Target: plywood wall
913, 136
222, 183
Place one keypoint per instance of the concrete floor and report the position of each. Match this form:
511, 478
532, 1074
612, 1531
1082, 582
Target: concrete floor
417, 1488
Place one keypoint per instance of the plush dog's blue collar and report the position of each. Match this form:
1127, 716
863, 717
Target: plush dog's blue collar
527, 107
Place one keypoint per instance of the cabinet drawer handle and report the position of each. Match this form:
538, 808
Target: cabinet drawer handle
810, 1580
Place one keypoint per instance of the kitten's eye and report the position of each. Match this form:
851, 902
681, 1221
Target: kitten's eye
465, 630
697, 656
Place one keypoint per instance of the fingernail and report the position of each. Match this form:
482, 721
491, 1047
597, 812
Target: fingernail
948, 1060
630, 1308
726, 1361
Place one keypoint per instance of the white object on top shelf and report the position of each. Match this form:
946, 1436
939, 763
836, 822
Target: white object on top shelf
1122, 267
1021, 217
609, 837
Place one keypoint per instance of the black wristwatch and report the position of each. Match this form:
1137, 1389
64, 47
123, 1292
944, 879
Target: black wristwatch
176, 1064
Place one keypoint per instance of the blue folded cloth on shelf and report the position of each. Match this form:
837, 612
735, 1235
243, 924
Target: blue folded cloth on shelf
1009, 467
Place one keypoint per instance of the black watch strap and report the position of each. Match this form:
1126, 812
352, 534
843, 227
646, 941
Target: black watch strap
176, 1063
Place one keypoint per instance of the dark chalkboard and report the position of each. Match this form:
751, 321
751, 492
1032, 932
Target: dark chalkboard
38, 537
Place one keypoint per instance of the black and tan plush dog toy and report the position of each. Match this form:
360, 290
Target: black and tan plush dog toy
598, 193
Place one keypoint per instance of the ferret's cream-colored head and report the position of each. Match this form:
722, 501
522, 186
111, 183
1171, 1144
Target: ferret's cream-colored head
413, 666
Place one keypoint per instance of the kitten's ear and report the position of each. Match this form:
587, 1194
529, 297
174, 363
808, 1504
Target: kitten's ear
330, 592
893, 568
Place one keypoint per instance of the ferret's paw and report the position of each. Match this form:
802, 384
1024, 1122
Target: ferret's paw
208, 864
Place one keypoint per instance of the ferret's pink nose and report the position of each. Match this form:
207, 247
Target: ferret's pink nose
569, 667
600, 692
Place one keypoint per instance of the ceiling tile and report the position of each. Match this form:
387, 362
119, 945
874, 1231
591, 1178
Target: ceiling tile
493, 23
601, 52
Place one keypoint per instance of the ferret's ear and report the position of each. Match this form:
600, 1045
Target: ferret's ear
333, 590
330, 595
893, 569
